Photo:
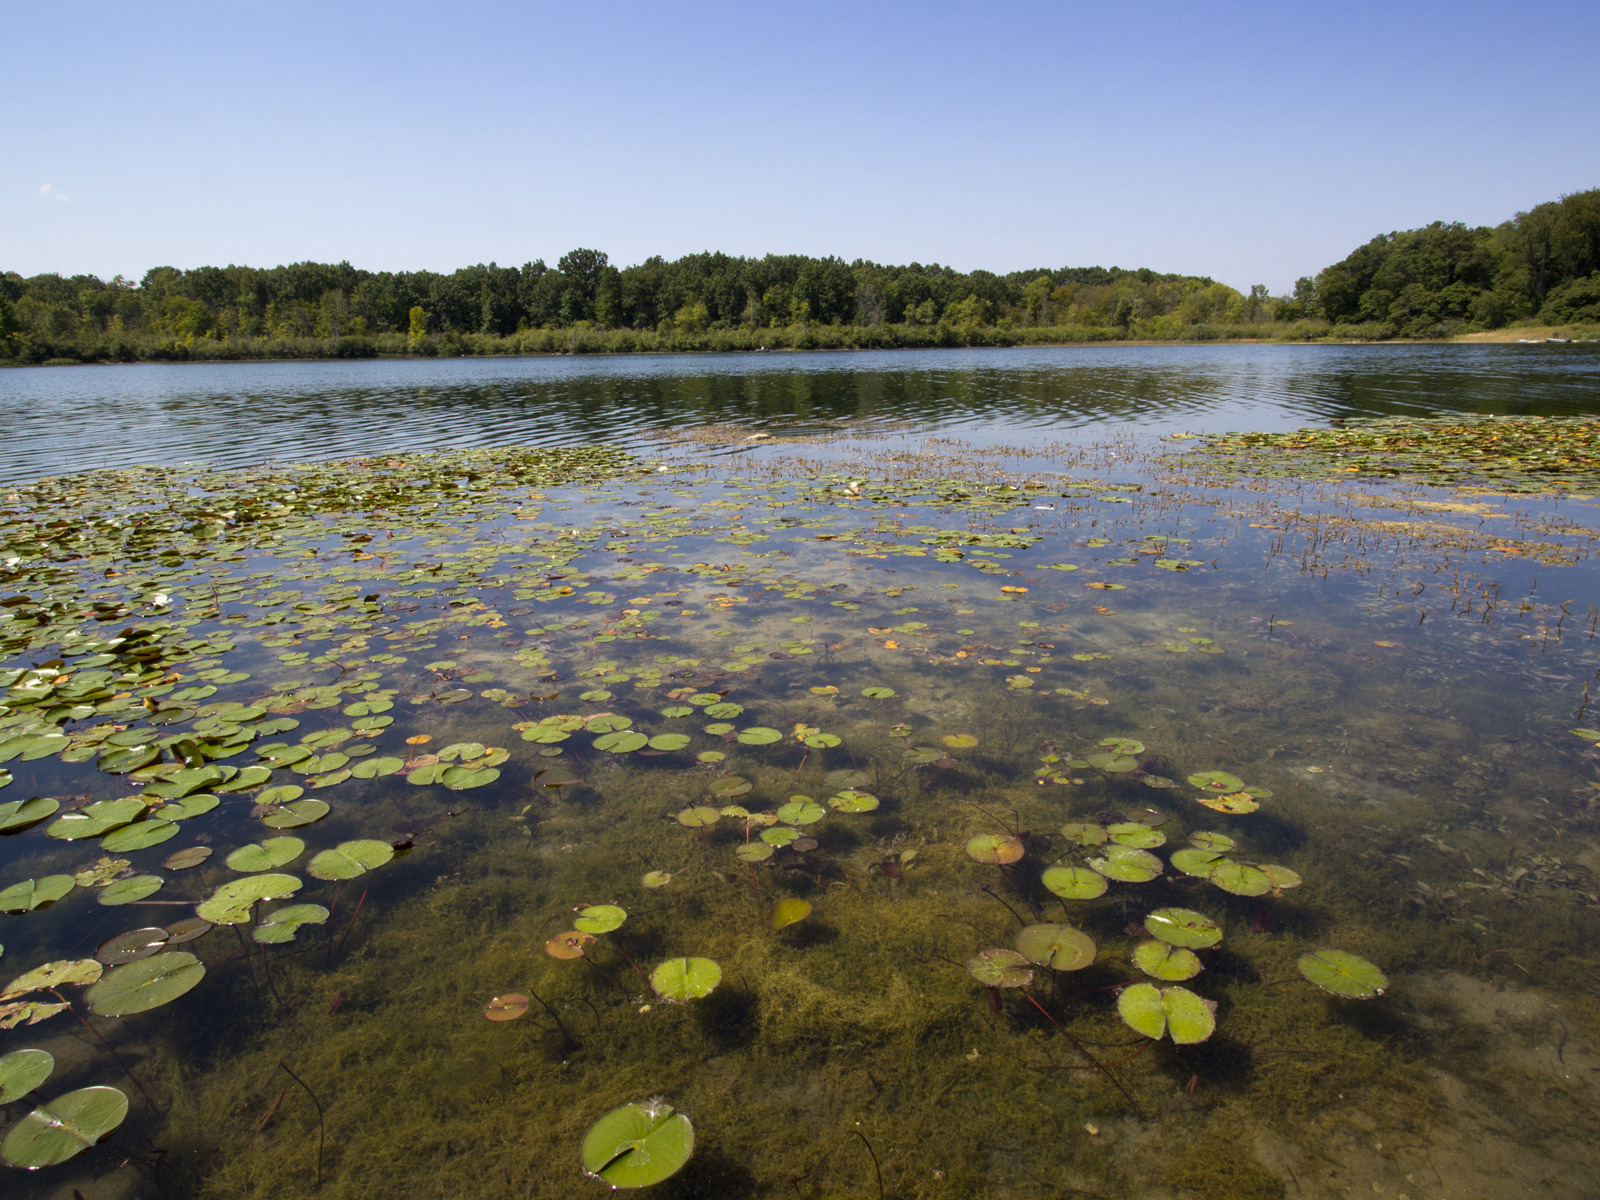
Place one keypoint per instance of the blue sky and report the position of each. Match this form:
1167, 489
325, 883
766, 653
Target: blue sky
1251, 142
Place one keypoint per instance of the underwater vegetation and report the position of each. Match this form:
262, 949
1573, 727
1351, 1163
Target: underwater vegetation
474, 796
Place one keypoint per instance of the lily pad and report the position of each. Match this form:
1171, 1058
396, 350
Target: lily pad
623, 741
1240, 879
759, 735
655, 879
568, 945
231, 903
787, 911
1085, 833
146, 984
23, 1070
189, 856
1112, 763
1343, 974
34, 893
1000, 968
1134, 833
999, 848
699, 815
638, 1145
801, 810
1219, 842
852, 801
17, 815
1175, 1011
1215, 781
1183, 927
754, 852
1192, 861
1074, 883
141, 835
267, 855
64, 1128
349, 859
1282, 877
959, 741
65, 972
282, 924
684, 979
1171, 963
1127, 864
878, 693
600, 918
132, 946
506, 1008
1234, 804
1059, 947
131, 890
669, 741
296, 813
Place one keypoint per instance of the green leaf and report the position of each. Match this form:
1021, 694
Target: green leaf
35, 893
64, 1128
600, 918
22, 1071
1171, 963
349, 859
75, 971
282, 924
141, 835
17, 815
127, 891
373, 768
231, 904
267, 855
1343, 974
684, 979
638, 1145
758, 735
1059, 947
1074, 883
146, 984
1183, 927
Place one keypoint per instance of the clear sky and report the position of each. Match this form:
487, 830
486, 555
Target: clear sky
1251, 142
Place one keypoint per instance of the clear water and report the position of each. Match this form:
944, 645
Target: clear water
1394, 670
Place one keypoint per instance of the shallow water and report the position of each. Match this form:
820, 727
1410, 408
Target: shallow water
1392, 671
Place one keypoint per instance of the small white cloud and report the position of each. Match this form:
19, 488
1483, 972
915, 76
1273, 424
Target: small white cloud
46, 189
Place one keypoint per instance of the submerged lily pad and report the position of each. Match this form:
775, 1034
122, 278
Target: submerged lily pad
1000, 968
64, 1128
1175, 1011
146, 984
685, 979
23, 1070
1343, 974
1171, 963
1074, 883
787, 911
1059, 947
637, 1145
1000, 848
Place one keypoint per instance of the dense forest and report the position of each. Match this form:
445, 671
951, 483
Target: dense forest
1440, 280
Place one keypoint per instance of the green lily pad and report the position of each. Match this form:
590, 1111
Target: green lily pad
464, 778
699, 815
1216, 781
1059, 947
878, 693
1111, 763
637, 1145
669, 741
35, 893
268, 855
373, 768
729, 786
1121, 745
1085, 833
1241, 879
1074, 883
655, 879
128, 891
759, 735
1195, 862
1221, 843
141, 835
73, 971
1171, 963
23, 1070
622, 741
600, 918
852, 801
282, 924
801, 810
685, 979
999, 848
295, 814
194, 805
146, 984
1343, 974
1183, 927
1175, 1011
64, 1128
787, 911
781, 835
1133, 833
1127, 864
95, 819
1282, 877
1000, 968
753, 852
231, 903
17, 815
349, 859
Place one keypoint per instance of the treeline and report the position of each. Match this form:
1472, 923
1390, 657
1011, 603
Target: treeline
1444, 279
1543, 265
701, 301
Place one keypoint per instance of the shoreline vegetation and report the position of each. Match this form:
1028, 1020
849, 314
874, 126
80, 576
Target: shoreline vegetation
1532, 278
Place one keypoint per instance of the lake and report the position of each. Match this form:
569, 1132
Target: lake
928, 774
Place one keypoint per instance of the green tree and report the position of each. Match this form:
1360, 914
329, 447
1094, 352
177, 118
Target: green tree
417, 333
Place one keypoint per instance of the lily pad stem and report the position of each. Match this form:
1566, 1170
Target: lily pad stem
571, 1041
1084, 1050
117, 1058
321, 1124
1008, 908
876, 1169
352, 923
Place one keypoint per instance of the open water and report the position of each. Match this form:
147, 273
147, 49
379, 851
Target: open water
313, 768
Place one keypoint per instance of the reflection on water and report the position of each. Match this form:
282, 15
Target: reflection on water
542, 699
74, 418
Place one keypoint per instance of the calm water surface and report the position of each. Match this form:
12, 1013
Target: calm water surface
72, 418
416, 718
